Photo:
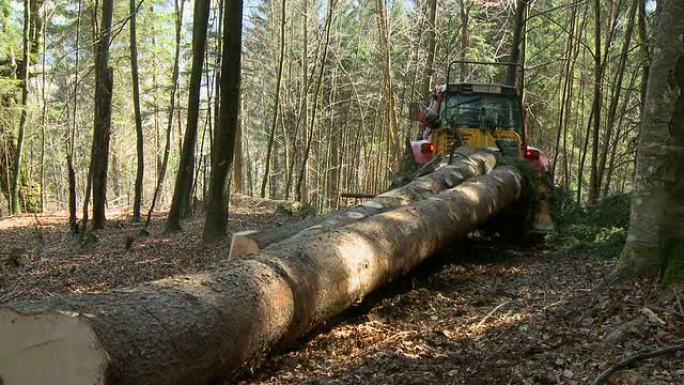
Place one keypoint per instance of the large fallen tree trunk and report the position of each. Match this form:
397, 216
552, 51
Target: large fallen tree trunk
252, 242
201, 328
265, 203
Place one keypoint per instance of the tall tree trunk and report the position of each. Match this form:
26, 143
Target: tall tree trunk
566, 80
73, 219
617, 86
594, 183
238, 162
226, 126
16, 169
104, 77
44, 124
392, 150
518, 42
428, 79
172, 108
299, 188
464, 10
644, 50
137, 199
304, 95
619, 137
181, 203
655, 244
276, 103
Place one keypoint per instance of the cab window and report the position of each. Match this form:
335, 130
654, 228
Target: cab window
493, 112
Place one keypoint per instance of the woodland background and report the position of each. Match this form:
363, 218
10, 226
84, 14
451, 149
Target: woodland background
325, 92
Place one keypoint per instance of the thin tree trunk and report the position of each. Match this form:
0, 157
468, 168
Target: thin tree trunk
393, 140
276, 103
304, 93
566, 80
518, 42
73, 219
307, 150
465, 41
181, 202
644, 50
217, 202
172, 108
428, 76
44, 114
137, 199
594, 185
616, 143
104, 77
14, 188
238, 163
617, 86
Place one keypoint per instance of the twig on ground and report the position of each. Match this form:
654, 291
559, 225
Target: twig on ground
491, 313
679, 302
634, 358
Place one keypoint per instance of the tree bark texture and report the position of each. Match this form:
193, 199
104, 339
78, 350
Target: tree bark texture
238, 161
617, 86
251, 242
655, 242
201, 328
104, 78
181, 204
226, 125
16, 170
276, 102
300, 187
517, 45
137, 199
594, 184
428, 80
167, 146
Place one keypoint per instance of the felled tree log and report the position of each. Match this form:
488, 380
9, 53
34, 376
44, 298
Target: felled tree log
264, 203
252, 242
201, 328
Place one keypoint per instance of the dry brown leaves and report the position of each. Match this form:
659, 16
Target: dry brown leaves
51, 261
495, 316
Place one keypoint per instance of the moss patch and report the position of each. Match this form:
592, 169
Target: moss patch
674, 263
638, 259
601, 229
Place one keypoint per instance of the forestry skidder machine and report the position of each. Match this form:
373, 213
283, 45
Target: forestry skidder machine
482, 109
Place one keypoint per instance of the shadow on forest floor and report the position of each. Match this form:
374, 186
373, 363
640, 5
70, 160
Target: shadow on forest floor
489, 314
43, 258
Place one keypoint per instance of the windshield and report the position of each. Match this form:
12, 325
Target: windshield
494, 112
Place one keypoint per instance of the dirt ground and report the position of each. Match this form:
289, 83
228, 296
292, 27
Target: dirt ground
38, 255
476, 314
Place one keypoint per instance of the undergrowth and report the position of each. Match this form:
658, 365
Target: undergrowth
601, 229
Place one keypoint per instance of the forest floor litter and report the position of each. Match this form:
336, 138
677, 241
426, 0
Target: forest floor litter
482, 313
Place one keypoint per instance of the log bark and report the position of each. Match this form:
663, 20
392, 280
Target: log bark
202, 328
251, 242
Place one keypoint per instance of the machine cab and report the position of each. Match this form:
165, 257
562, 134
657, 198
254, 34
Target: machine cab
474, 114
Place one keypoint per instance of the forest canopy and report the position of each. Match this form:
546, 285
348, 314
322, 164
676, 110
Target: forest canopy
325, 93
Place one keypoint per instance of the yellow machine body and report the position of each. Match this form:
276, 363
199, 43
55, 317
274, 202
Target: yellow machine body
473, 138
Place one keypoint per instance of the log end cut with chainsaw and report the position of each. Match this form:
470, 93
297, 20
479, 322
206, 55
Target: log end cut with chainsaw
202, 328
57, 348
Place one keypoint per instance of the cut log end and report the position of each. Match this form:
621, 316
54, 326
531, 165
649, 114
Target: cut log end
62, 345
242, 244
